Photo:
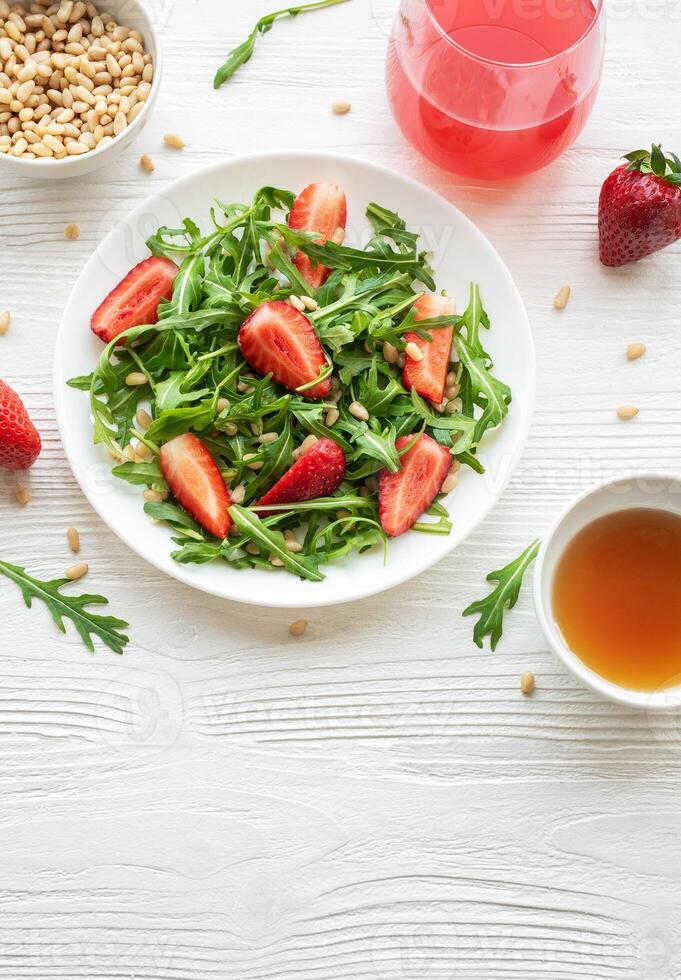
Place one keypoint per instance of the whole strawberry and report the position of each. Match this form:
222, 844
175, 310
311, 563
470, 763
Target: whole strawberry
19, 440
639, 210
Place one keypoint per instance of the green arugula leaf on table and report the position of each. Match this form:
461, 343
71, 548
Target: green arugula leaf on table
63, 606
244, 51
491, 609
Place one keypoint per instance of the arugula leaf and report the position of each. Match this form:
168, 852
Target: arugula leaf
504, 596
488, 392
273, 542
244, 51
60, 605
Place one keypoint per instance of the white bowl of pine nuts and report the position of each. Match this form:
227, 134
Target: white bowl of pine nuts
78, 81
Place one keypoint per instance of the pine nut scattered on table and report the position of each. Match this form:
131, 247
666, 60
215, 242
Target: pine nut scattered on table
72, 232
73, 538
527, 682
5, 320
634, 351
341, 107
77, 571
626, 412
562, 297
22, 494
174, 141
146, 163
298, 628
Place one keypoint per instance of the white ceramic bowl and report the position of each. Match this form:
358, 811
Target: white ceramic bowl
459, 252
660, 491
131, 13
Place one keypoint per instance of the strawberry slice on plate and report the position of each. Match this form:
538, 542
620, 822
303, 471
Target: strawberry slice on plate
318, 473
19, 439
428, 376
405, 495
276, 339
134, 301
322, 208
196, 483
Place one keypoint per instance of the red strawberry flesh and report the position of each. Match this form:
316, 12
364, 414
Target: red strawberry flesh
278, 340
19, 439
429, 376
318, 473
134, 301
196, 483
405, 495
322, 208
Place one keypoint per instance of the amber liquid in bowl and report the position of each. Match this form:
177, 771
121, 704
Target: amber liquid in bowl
617, 598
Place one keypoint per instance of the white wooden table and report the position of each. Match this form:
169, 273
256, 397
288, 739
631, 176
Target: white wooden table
376, 800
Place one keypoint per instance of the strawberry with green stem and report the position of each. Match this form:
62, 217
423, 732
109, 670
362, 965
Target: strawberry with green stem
640, 207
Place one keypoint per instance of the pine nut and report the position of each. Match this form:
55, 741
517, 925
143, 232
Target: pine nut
257, 464
135, 379
626, 412
292, 542
252, 548
155, 496
527, 682
309, 303
451, 481
231, 428
73, 539
390, 353
238, 494
331, 417
341, 107
143, 418
72, 231
147, 163
143, 453
297, 303
308, 443
173, 141
634, 351
267, 438
276, 562
338, 236
298, 628
22, 494
5, 319
77, 571
454, 406
413, 351
562, 297
358, 411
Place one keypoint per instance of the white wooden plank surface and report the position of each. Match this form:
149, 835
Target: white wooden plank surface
376, 800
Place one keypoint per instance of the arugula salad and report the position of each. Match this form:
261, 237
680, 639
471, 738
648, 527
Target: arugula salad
283, 399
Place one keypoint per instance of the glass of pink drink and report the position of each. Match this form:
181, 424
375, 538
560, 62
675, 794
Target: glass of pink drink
494, 88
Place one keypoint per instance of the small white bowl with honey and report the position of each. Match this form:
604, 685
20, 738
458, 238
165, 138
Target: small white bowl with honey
608, 589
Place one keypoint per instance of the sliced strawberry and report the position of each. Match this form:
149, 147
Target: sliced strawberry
316, 474
278, 340
134, 301
428, 377
403, 496
322, 208
196, 483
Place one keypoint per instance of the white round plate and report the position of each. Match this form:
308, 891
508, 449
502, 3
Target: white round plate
460, 254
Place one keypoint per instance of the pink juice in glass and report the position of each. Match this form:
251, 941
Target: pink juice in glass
494, 88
